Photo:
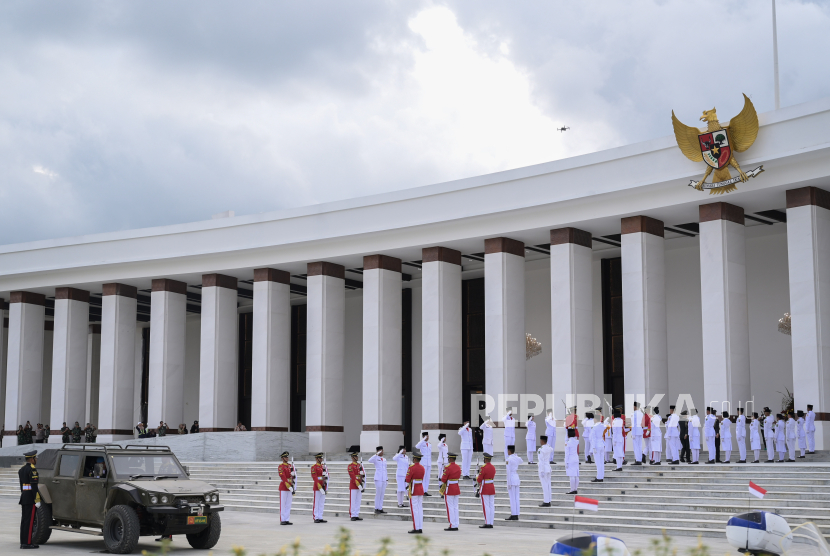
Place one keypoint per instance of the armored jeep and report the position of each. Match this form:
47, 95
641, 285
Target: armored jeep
121, 494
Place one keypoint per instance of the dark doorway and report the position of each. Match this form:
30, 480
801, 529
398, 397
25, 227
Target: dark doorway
245, 368
145, 373
298, 360
472, 352
612, 331
406, 367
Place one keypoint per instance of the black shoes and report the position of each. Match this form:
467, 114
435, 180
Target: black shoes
802, 457
742, 461
427, 494
357, 519
468, 477
572, 492
695, 463
286, 523
711, 461
451, 529
402, 506
485, 526
544, 505
512, 518
596, 480
379, 512
636, 463
770, 461
29, 546
757, 461
790, 461
675, 462
320, 521
416, 531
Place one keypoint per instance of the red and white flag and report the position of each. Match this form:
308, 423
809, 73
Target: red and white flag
756, 491
582, 503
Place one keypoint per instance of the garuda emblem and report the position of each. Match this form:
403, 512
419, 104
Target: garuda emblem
717, 145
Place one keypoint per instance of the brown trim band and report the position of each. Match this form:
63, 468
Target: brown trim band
168, 285
322, 268
219, 281
721, 211
114, 431
804, 196
323, 428
439, 426
271, 275
94, 328
49, 325
440, 255
570, 235
27, 297
72, 294
645, 224
504, 245
120, 289
270, 429
10, 433
214, 429
822, 416
384, 428
382, 262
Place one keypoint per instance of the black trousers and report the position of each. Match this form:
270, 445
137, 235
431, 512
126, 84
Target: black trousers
27, 519
717, 449
686, 450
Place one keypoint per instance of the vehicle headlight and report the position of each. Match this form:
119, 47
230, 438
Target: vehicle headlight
214, 498
154, 500
164, 500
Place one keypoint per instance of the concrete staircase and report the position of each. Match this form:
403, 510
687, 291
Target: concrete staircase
681, 500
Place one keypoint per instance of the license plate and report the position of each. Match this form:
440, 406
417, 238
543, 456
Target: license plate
197, 520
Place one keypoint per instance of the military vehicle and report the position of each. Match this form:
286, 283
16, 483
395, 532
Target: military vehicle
122, 494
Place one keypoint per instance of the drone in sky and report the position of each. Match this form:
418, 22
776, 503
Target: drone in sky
563, 128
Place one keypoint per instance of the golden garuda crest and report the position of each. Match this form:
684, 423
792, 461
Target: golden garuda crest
717, 145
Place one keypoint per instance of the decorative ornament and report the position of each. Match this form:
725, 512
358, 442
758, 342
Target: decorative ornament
532, 347
717, 145
784, 325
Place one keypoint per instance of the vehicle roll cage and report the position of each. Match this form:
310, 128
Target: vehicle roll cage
113, 447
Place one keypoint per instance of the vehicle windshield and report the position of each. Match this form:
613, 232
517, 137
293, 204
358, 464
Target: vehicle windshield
147, 466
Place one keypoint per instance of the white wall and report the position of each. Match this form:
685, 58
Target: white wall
193, 338
353, 369
537, 323
46, 388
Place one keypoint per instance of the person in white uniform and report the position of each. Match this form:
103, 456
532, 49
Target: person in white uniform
609, 440
740, 435
544, 471
810, 429
694, 437
400, 474
466, 434
487, 435
637, 433
792, 436
656, 440
618, 432
781, 438
587, 426
426, 459
769, 434
509, 431
513, 482
381, 478
598, 444
441, 461
673, 437
726, 436
572, 460
802, 435
755, 437
550, 432
709, 434
530, 438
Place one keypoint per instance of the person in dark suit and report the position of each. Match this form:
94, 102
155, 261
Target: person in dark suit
195, 427
717, 440
29, 498
685, 451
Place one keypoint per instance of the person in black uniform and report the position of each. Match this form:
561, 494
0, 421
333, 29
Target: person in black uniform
29, 498
686, 450
717, 440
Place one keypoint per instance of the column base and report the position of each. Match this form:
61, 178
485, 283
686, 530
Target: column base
390, 440
822, 435
325, 441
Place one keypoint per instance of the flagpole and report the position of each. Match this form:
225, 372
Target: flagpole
775, 57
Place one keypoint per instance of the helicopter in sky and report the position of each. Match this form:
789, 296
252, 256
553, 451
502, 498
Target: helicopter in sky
563, 128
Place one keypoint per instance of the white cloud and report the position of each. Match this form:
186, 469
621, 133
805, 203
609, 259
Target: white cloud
45, 171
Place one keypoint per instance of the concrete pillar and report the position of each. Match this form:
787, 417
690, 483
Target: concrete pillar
24, 374
93, 373
168, 306
325, 350
117, 367
504, 330
441, 344
808, 253
271, 373
724, 307
69, 355
645, 347
571, 314
218, 358
382, 341
46, 380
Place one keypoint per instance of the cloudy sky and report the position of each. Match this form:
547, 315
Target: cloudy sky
118, 115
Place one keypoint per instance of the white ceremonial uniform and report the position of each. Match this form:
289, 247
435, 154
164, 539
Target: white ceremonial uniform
709, 433
694, 437
755, 438
769, 436
656, 439
285, 505
572, 462
400, 475
726, 438
509, 432
810, 429
550, 432
618, 432
381, 479
637, 433
466, 434
513, 482
673, 437
781, 439
792, 437
802, 436
598, 444
609, 443
486, 438
442, 460
544, 471
426, 460
587, 427
530, 439
740, 436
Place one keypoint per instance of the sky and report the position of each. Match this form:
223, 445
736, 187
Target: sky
121, 115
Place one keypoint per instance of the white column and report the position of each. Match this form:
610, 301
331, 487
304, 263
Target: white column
571, 314
808, 253
441, 345
168, 306
69, 356
325, 350
117, 374
382, 342
271, 373
46, 380
645, 347
724, 307
504, 331
4, 346
24, 373
218, 358
93, 373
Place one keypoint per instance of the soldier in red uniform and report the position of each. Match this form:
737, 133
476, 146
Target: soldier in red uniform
415, 479
357, 478
286, 471
319, 477
488, 491
452, 473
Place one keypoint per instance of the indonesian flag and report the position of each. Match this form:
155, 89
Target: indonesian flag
582, 503
756, 491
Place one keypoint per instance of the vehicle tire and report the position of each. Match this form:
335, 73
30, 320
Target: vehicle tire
121, 529
43, 520
209, 536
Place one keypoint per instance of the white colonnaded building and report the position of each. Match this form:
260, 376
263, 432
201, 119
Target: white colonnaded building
366, 321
